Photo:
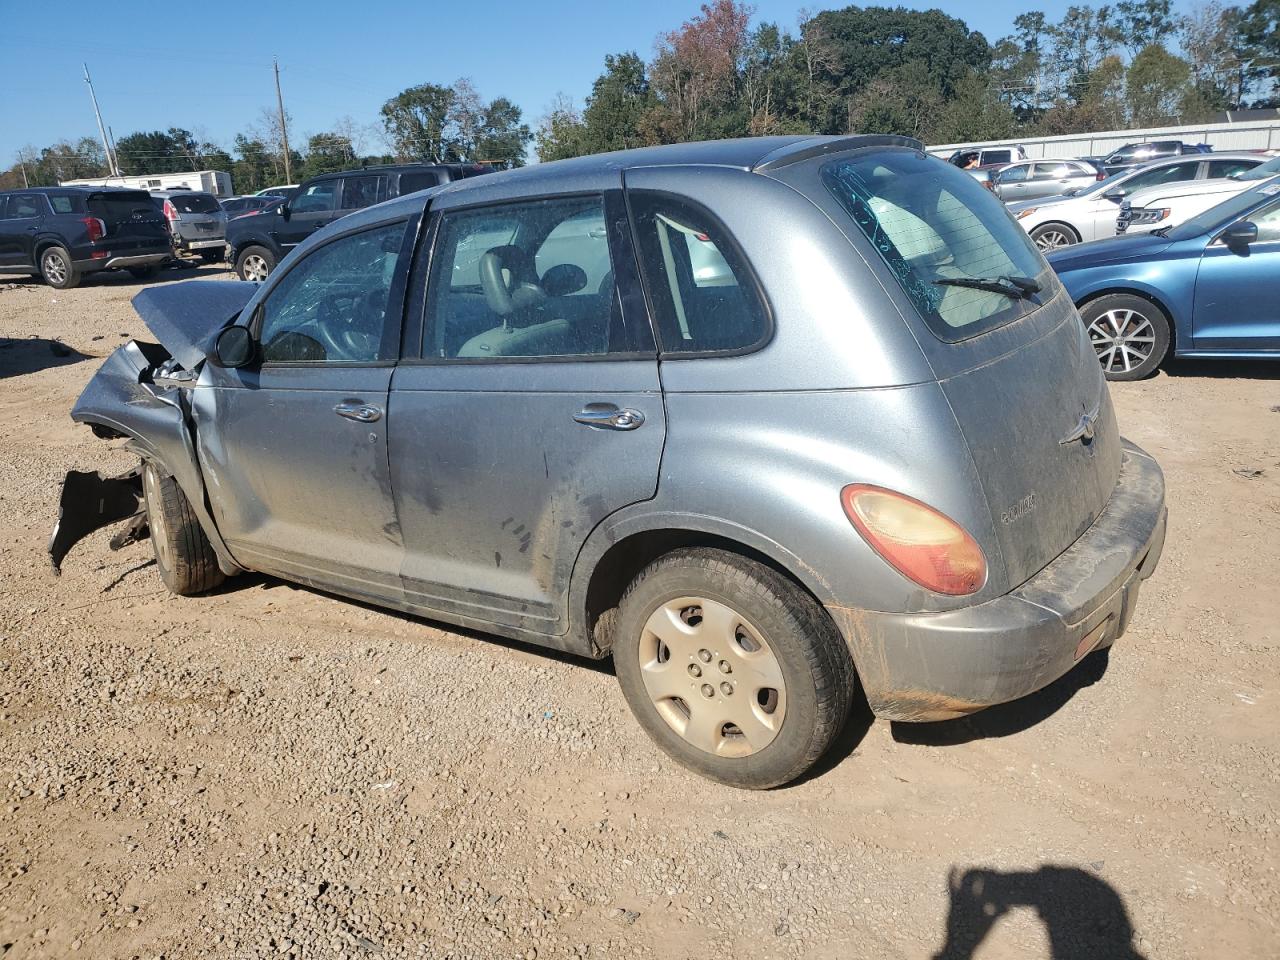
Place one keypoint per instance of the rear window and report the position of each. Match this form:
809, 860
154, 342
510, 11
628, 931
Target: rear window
933, 226
122, 205
997, 156
194, 203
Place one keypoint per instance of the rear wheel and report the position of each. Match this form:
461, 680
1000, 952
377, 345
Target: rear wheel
1051, 236
255, 263
737, 673
57, 269
1130, 335
184, 555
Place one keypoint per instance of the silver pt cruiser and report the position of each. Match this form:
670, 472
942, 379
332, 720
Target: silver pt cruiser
773, 422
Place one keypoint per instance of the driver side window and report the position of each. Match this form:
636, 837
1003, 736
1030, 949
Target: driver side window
333, 305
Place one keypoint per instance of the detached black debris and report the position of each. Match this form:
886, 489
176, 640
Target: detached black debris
90, 502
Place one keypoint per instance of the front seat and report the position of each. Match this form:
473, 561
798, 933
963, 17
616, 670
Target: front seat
511, 289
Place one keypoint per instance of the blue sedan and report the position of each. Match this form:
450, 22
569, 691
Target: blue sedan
1209, 287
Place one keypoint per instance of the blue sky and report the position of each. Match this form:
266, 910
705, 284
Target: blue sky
206, 64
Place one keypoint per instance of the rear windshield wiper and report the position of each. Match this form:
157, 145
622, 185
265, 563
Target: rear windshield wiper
1019, 288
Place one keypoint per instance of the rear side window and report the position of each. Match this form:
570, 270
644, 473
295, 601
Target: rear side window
359, 192
118, 205
934, 226
524, 280
997, 156
703, 295
412, 182
194, 203
1229, 168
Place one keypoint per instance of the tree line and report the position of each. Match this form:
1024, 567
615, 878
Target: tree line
925, 74
428, 122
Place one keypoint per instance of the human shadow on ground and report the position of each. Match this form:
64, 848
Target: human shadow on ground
19, 355
1006, 719
1084, 916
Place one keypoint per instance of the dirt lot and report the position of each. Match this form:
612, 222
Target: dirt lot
273, 771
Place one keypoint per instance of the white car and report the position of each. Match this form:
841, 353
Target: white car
1167, 205
1090, 214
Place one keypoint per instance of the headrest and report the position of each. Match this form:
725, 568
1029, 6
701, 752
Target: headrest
564, 279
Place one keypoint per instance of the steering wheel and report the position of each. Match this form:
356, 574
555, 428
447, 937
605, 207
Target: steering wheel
346, 333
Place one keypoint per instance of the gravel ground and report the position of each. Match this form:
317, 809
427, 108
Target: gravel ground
271, 771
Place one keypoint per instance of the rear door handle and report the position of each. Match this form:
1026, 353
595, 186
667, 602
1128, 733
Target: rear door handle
357, 410
608, 417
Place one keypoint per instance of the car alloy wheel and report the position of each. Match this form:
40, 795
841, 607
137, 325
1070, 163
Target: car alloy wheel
55, 268
155, 515
255, 268
1053, 239
1122, 339
712, 677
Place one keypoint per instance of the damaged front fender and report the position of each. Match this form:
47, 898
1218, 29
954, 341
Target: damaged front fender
138, 393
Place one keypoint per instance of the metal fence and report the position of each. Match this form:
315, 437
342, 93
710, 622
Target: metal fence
1254, 135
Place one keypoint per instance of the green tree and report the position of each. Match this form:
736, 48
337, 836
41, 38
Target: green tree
561, 134
255, 167
1157, 86
503, 137
1142, 23
417, 120
327, 153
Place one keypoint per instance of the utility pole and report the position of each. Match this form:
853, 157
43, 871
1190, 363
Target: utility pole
111, 161
284, 132
23, 160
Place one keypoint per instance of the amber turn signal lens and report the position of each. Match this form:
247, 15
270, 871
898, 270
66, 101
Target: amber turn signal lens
922, 544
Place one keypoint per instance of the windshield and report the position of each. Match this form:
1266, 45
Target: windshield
942, 234
1264, 171
1225, 212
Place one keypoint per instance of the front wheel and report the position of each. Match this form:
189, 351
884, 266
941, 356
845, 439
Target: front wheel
736, 672
255, 264
184, 555
1129, 334
1053, 236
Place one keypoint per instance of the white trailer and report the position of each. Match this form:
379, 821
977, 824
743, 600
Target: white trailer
216, 182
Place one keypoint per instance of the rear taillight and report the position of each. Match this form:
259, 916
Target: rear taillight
1102, 174
922, 544
171, 212
95, 228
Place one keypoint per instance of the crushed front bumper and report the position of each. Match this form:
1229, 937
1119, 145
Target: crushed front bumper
934, 666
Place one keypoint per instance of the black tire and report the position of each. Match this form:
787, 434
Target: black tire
183, 553
1130, 334
57, 269
144, 273
211, 256
252, 257
816, 669
1054, 236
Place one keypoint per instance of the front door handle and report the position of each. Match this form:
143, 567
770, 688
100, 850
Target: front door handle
357, 410
609, 417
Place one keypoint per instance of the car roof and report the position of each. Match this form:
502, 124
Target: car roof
746, 153
75, 188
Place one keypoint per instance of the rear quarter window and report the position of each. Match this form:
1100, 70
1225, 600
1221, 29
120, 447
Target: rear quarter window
932, 224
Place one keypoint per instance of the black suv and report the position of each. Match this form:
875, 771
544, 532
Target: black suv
62, 233
259, 241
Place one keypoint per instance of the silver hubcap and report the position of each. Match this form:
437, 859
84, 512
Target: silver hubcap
1122, 339
255, 268
1053, 239
155, 515
712, 677
55, 270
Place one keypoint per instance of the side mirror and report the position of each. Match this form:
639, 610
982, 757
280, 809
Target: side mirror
233, 347
1240, 234
1116, 193
284, 211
